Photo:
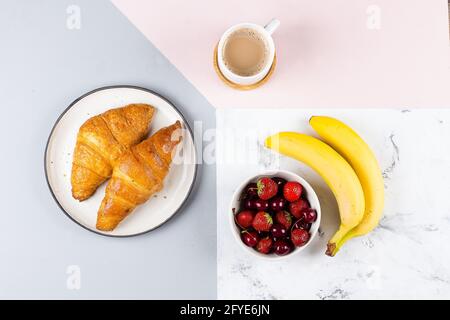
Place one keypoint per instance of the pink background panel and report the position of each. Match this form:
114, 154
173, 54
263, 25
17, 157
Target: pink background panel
327, 56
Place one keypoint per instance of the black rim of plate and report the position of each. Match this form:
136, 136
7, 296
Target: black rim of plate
120, 87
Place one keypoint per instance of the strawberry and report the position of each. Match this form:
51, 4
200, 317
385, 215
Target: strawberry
262, 221
244, 219
296, 207
292, 191
264, 245
267, 188
284, 218
299, 237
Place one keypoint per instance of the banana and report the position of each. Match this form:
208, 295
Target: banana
350, 145
333, 168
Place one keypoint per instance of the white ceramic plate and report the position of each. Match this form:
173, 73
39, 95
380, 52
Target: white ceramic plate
58, 161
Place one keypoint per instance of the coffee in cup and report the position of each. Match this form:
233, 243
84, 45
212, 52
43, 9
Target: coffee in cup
245, 52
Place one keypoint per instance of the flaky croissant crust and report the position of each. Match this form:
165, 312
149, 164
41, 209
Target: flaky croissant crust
137, 175
101, 140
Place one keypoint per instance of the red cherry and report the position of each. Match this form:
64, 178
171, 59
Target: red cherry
278, 231
244, 219
300, 224
255, 204
261, 205
250, 238
281, 247
248, 204
277, 203
250, 191
309, 215
280, 183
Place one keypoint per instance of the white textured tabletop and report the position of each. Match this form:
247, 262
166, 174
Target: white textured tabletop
407, 256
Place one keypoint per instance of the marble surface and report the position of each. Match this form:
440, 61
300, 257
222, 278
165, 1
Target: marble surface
405, 257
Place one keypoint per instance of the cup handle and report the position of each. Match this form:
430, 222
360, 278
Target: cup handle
272, 26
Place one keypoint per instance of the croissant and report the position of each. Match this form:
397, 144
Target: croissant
137, 175
101, 140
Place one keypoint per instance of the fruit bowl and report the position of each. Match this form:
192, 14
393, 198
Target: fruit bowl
238, 205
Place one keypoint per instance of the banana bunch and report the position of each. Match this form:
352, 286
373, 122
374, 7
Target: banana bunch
347, 165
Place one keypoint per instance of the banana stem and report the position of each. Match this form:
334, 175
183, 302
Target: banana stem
331, 249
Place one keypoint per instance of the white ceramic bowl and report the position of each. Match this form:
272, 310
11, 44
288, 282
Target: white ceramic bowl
289, 176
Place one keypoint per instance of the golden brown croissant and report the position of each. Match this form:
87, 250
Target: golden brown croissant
137, 175
101, 141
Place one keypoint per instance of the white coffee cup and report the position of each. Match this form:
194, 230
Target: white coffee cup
266, 33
